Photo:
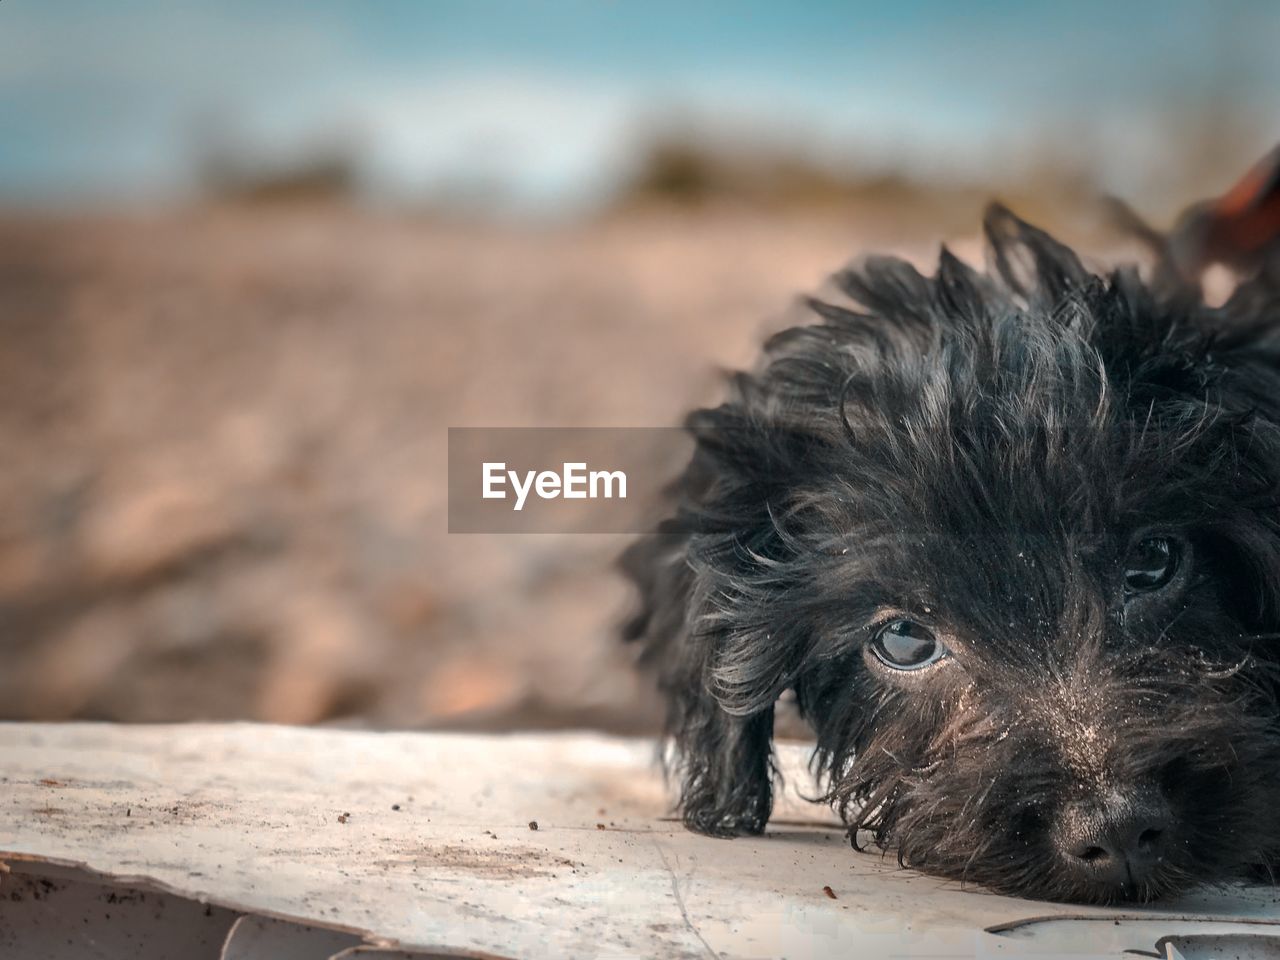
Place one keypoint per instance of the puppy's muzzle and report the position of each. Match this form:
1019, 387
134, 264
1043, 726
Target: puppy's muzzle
1116, 841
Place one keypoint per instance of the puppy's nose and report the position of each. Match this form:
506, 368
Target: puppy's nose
1120, 841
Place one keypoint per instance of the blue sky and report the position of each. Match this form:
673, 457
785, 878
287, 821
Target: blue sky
549, 101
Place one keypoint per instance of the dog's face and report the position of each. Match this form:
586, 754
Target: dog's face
1014, 545
1062, 694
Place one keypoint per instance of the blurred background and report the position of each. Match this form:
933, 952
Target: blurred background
256, 257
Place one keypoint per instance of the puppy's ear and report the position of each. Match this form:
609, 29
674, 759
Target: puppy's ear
713, 621
721, 744
723, 585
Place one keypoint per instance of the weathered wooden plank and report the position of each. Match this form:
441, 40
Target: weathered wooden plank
428, 841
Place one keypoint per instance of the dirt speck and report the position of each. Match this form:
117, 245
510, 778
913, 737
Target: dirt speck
50, 782
344, 817
599, 826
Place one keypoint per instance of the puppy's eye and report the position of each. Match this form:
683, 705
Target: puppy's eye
1151, 564
906, 645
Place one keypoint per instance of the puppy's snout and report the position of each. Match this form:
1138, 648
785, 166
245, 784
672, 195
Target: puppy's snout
1119, 841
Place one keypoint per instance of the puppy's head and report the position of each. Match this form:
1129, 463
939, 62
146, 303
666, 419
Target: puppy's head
1013, 541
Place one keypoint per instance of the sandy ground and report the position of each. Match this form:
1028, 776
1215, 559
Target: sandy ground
223, 434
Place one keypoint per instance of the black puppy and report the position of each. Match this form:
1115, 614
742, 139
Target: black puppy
1012, 540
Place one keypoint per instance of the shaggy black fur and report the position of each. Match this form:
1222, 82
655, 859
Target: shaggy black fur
988, 456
